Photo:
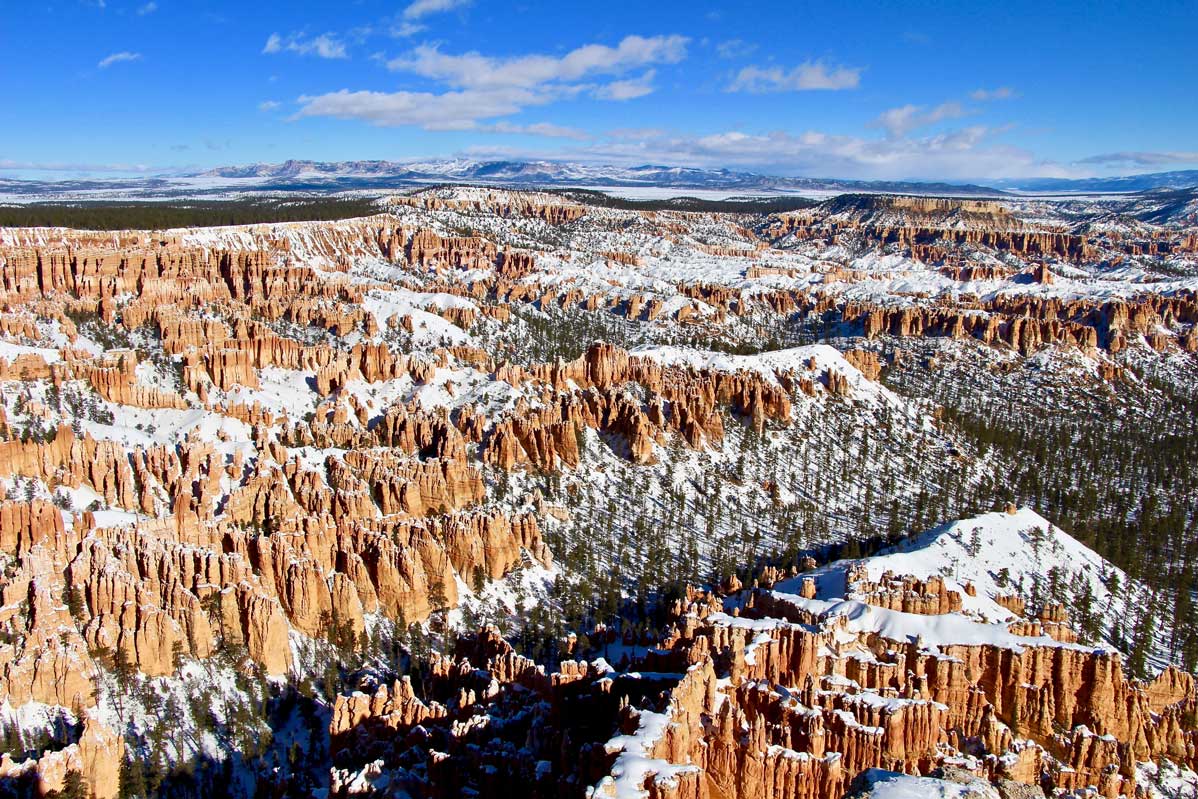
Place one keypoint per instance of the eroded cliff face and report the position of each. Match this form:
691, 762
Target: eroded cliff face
781, 698
96, 757
796, 698
933, 228
781, 690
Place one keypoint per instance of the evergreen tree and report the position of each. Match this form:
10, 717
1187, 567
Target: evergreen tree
132, 781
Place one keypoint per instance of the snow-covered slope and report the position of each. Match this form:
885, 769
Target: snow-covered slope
1003, 554
879, 784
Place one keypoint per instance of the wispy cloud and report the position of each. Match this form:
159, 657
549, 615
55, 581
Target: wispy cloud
326, 45
547, 129
1001, 93
1140, 158
476, 71
447, 111
407, 22
117, 58
147, 8
904, 119
59, 166
422, 8
627, 89
808, 76
269, 105
480, 87
405, 28
735, 48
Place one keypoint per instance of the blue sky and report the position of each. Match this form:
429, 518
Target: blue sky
862, 90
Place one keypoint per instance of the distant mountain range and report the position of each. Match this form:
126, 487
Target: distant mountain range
332, 176
1181, 179
561, 174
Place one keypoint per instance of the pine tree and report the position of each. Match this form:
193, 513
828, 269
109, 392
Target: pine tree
132, 778
73, 786
1141, 645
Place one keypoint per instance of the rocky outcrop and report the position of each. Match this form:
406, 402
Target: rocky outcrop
374, 734
789, 691
931, 229
927, 597
545, 207
682, 401
96, 757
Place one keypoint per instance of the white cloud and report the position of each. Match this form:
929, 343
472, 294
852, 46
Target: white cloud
904, 119
627, 89
1001, 93
422, 8
147, 8
117, 58
458, 110
484, 88
808, 76
404, 29
476, 71
636, 133
326, 45
268, 105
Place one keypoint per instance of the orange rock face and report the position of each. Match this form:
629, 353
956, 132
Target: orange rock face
96, 757
787, 692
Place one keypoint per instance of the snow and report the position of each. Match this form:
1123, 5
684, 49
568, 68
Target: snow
891, 785
1166, 780
1017, 553
145, 427
1007, 542
32, 717
635, 764
934, 631
429, 327
10, 352
279, 391
769, 365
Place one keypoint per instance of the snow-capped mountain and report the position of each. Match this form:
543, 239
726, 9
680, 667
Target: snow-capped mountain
563, 174
1179, 179
643, 181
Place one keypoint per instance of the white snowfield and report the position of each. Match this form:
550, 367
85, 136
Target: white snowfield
998, 554
933, 632
10, 352
1024, 543
880, 784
